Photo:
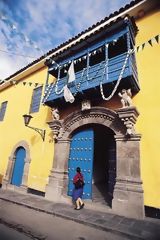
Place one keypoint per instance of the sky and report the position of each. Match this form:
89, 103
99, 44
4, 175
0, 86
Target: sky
30, 28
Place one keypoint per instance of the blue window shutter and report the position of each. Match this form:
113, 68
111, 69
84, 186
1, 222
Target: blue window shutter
36, 99
3, 110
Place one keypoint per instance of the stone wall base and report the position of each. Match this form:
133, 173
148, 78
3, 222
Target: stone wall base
56, 188
53, 190
8, 186
128, 202
54, 195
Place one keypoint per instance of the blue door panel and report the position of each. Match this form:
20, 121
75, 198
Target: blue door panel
81, 155
18, 167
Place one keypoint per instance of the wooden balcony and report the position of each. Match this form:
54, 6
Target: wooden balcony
87, 83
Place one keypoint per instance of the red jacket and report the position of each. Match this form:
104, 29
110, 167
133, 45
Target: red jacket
77, 177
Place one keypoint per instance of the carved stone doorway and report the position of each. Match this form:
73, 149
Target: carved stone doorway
128, 193
7, 181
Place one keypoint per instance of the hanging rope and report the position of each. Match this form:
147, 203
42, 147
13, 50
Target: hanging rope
88, 67
79, 84
88, 60
82, 76
104, 74
48, 92
118, 81
106, 60
56, 86
97, 71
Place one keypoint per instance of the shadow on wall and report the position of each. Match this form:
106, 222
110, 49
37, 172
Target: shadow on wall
1, 178
36, 192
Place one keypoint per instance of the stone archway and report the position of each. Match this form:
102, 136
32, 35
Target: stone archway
128, 193
8, 176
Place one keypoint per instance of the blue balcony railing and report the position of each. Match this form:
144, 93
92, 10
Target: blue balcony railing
90, 79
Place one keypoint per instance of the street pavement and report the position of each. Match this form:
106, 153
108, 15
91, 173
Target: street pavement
41, 226
7, 233
148, 229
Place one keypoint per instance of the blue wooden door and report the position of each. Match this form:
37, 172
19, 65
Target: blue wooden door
81, 155
18, 167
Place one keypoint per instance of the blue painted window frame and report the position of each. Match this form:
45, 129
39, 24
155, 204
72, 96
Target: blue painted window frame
3, 110
36, 100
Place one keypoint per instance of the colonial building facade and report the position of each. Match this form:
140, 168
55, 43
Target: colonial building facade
94, 115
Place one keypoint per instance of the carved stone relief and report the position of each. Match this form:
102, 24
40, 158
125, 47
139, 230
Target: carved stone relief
122, 123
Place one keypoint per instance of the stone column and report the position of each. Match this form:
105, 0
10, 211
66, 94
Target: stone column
9, 171
58, 178
128, 192
25, 173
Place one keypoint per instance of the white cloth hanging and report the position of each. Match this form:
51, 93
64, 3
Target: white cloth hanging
68, 96
71, 73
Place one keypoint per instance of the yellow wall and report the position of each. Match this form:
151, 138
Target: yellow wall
12, 130
148, 103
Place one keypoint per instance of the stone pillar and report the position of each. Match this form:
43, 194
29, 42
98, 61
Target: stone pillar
9, 171
58, 178
128, 193
25, 173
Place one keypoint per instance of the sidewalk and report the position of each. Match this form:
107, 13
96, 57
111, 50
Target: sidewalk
148, 229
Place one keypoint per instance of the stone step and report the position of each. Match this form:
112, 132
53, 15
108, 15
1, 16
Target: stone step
100, 195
